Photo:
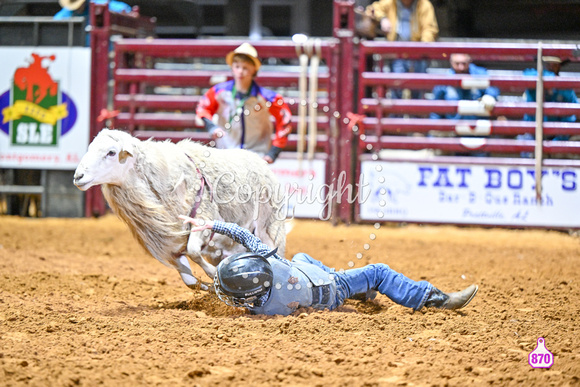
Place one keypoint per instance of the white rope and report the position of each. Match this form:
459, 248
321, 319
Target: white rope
302, 85
313, 124
539, 125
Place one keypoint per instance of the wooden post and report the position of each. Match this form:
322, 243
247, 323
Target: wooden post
344, 32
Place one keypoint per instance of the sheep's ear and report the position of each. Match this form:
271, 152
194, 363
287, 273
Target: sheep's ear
126, 152
123, 156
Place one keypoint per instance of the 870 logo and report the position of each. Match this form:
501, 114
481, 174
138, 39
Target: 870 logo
540, 357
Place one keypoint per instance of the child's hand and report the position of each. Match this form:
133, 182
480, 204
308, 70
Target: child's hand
198, 224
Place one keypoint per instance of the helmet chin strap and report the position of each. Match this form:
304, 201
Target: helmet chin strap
236, 302
271, 253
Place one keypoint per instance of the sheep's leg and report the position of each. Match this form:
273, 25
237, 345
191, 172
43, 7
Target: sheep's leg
182, 266
209, 269
261, 232
194, 244
268, 228
272, 235
277, 231
261, 217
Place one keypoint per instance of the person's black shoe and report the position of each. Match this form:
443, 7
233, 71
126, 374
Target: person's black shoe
370, 295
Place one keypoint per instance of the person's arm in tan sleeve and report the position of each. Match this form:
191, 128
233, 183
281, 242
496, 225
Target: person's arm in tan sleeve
429, 26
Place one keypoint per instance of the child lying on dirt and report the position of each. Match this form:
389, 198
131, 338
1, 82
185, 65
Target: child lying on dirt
265, 283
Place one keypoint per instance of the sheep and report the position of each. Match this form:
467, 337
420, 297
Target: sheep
148, 184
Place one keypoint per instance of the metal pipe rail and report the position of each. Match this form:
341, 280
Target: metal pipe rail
184, 78
171, 121
204, 138
129, 25
418, 81
463, 144
520, 52
508, 109
192, 48
183, 102
155, 101
374, 125
180, 120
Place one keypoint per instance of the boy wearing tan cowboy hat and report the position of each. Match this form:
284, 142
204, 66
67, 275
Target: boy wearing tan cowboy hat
72, 8
237, 112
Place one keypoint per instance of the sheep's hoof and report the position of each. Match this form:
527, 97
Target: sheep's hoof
205, 286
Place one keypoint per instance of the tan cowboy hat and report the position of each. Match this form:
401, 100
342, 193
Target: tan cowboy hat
245, 49
555, 59
71, 5
551, 59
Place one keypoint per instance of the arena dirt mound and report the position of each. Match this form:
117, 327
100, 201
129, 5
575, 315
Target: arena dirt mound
82, 304
205, 303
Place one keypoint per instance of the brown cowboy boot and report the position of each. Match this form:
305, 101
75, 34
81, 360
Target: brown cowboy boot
457, 300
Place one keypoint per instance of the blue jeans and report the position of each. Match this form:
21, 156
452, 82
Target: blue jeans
400, 289
529, 136
526, 136
408, 66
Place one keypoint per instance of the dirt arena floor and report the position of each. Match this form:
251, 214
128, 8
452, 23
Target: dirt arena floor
82, 304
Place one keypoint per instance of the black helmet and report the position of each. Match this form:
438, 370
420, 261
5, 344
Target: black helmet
242, 278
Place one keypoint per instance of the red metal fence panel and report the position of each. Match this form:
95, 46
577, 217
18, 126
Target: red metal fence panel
428, 81
104, 25
398, 140
424, 107
158, 84
491, 51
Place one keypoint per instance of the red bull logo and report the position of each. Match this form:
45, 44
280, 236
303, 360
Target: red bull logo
35, 111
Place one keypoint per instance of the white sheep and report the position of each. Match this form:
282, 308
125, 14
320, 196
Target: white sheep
148, 184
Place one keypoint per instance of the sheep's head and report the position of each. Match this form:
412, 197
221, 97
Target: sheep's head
109, 157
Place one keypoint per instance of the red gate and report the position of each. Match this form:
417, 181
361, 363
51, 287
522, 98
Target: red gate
159, 82
398, 133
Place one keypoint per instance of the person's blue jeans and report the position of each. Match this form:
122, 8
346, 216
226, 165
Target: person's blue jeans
451, 94
400, 289
408, 66
529, 136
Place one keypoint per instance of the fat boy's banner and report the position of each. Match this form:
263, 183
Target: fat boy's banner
44, 106
469, 194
